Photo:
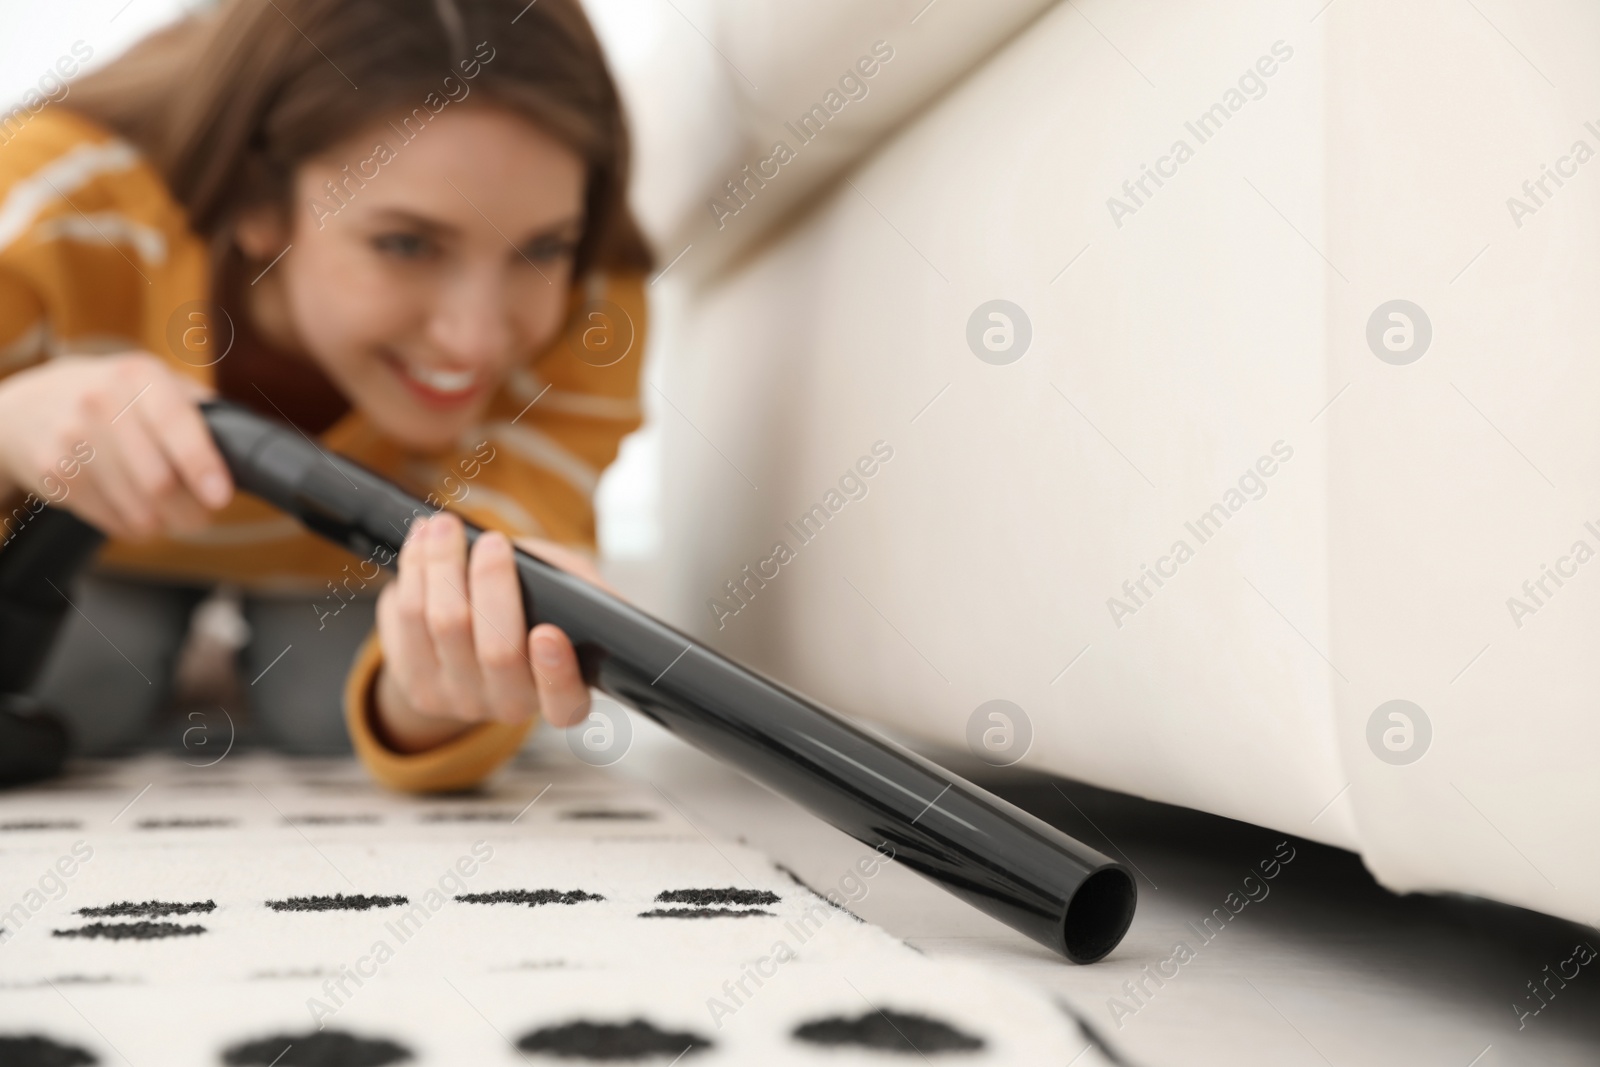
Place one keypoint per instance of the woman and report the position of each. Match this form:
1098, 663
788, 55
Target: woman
398, 225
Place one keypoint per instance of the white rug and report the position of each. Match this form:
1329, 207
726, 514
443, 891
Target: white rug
157, 913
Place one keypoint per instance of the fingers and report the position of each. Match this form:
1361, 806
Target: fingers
403, 630
133, 517
562, 692
156, 467
449, 615
192, 389
455, 634
164, 504
82, 495
168, 453
498, 626
170, 413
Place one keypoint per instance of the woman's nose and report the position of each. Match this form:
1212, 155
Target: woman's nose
471, 321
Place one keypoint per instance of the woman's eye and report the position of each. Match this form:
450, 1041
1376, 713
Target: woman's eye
548, 248
403, 245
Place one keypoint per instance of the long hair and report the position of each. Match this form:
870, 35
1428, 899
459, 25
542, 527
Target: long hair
227, 103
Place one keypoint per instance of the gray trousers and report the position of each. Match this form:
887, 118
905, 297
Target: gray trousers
110, 672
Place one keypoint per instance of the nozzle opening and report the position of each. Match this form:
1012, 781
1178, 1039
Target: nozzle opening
1099, 913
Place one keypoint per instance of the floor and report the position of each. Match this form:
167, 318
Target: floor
1314, 964
1320, 966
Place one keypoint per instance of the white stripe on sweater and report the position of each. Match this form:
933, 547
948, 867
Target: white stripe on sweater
107, 228
545, 451
59, 178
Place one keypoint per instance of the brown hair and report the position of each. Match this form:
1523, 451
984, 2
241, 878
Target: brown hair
226, 104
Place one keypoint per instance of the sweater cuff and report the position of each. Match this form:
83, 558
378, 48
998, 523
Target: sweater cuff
460, 763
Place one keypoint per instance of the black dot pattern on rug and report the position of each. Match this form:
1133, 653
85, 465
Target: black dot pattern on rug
35, 1050
80, 979
319, 1048
889, 1031
607, 815
293, 972
40, 824
707, 897
700, 913
337, 902
612, 1041
470, 816
140, 931
153, 909
531, 897
185, 824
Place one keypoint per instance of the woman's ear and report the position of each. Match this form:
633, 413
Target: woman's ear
261, 231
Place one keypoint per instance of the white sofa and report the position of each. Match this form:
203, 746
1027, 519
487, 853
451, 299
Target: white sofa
1182, 333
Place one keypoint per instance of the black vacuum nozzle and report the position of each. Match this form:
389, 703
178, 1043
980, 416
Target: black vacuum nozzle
999, 858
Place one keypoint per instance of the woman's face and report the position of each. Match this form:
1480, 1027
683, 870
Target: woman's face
442, 264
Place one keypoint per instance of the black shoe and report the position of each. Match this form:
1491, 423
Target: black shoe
33, 740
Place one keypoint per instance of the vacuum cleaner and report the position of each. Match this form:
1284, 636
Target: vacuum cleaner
990, 853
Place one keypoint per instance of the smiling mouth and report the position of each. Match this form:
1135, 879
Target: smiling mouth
435, 386
444, 381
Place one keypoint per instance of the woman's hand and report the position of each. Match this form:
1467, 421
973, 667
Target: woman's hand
456, 647
116, 440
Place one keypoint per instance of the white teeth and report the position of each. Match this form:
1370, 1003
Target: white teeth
444, 381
